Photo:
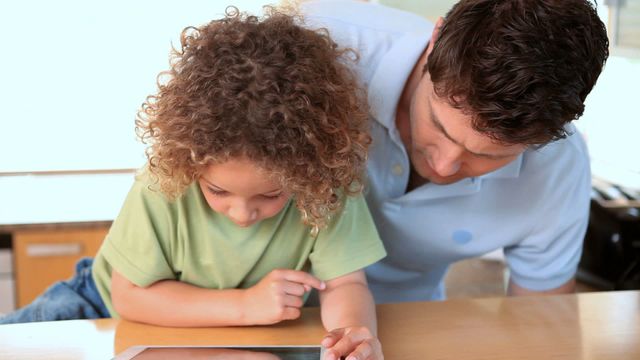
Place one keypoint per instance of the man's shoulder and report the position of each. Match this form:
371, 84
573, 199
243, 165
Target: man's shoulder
360, 14
554, 173
559, 170
563, 155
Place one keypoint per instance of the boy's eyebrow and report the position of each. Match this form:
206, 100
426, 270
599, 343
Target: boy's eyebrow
218, 188
211, 184
274, 191
436, 122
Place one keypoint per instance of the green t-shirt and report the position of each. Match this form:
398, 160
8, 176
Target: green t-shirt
155, 239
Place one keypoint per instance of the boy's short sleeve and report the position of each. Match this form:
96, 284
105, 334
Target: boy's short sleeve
141, 243
350, 242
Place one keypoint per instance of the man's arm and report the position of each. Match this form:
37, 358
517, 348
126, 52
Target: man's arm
516, 290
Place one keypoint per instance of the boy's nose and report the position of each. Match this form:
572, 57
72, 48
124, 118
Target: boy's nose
242, 216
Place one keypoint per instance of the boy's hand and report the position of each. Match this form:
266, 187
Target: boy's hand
354, 343
278, 296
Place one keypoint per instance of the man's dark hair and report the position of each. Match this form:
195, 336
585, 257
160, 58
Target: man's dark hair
521, 68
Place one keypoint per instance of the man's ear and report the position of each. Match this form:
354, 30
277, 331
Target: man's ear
434, 34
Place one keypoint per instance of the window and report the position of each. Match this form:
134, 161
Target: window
74, 74
624, 25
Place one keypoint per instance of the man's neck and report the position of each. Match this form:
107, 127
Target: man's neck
415, 180
403, 116
403, 108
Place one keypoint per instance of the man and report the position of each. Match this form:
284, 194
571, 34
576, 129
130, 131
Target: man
473, 149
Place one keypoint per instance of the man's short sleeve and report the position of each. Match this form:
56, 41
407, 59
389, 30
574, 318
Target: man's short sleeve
350, 242
549, 256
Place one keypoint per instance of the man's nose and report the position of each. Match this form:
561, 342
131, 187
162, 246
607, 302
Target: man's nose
447, 161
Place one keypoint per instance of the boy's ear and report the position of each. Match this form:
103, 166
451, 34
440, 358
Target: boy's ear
434, 34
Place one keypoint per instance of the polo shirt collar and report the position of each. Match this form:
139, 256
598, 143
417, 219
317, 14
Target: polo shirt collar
392, 73
509, 171
464, 187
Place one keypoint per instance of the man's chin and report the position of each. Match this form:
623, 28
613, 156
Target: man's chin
439, 180
431, 176
443, 181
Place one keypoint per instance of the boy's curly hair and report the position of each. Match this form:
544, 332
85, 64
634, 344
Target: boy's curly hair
522, 68
267, 89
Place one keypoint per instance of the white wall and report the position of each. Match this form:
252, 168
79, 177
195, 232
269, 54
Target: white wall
73, 74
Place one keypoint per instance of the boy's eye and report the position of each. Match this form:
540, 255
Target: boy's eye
217, 192
272, 196
224, 193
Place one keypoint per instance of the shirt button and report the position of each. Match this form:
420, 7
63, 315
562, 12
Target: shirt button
397, 169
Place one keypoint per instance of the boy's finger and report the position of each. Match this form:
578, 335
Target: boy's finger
304, 278
331, 338
363, 351
330, 355
291, 313
345, 345
293, 301
294, 288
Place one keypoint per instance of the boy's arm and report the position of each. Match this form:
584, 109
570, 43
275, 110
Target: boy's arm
174, 303
348, 313
275, 298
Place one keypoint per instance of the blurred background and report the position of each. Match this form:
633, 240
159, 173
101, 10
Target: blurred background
74, 74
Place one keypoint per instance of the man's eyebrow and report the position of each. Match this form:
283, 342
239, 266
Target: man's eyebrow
436, 122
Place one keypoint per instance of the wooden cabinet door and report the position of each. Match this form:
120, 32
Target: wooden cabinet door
43, 257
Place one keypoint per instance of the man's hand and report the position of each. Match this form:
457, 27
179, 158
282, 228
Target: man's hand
354, 343
278, 296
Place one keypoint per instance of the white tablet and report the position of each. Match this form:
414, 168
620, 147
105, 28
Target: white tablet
306, 352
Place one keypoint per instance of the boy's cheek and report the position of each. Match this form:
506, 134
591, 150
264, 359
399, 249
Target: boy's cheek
214, 204
275, 208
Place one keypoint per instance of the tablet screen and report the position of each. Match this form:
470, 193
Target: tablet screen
230, 353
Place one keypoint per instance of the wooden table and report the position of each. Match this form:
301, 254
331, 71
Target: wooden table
602, 325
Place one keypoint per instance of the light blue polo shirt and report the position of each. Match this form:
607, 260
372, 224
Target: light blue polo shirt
536, 208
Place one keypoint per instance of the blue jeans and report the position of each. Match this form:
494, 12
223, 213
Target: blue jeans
76, 298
